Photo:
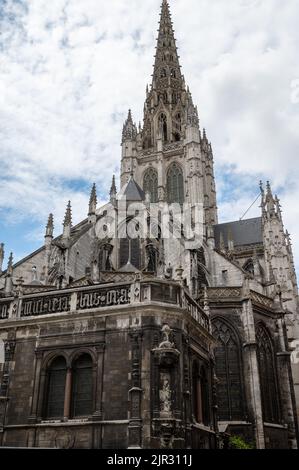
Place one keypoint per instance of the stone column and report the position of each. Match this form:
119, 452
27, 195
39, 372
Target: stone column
67, 395
251, 365
97, 415
36, 387
187, 394
98, 396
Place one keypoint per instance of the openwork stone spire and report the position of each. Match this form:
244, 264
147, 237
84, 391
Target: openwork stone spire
169, 108
167, 68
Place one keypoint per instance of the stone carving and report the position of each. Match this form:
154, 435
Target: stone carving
103, 298
166, 343
64, 439
165, 395
45, 305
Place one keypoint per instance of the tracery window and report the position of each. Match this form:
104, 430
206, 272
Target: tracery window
82, 400
228, 371
175, 185
268, 378
56, 378
200, 395
150, 184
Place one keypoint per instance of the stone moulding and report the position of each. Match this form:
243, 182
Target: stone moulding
138, 292
235, 293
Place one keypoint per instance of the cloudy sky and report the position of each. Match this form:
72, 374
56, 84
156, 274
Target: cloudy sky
70, 69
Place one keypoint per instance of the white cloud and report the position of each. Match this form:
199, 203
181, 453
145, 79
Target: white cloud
70, 69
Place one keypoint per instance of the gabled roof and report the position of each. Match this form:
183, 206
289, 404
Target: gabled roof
131, 191
242, 232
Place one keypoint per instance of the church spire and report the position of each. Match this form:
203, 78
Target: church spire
166, 108
167, 65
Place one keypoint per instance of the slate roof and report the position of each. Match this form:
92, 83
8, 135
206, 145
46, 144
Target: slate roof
243, 232
132, 191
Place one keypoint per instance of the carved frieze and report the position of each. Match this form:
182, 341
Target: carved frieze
103, 298
45, 305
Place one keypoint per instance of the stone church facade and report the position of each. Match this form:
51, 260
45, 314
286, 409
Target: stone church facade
115, 335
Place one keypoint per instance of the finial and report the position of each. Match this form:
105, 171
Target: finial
67, 224
10, 264
93, 200
68, 215
1, 256
50, 226
269, 190
8, 286
113, 191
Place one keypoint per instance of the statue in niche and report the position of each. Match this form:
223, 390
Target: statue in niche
165, 394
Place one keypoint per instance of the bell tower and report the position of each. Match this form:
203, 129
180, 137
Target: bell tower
169, 157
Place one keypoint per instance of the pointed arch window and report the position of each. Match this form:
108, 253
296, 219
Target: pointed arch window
229, 373
56, 379
82, 390
268, 376
175, 184
150, 184
163, 73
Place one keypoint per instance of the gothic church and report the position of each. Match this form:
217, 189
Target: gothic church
116, 340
